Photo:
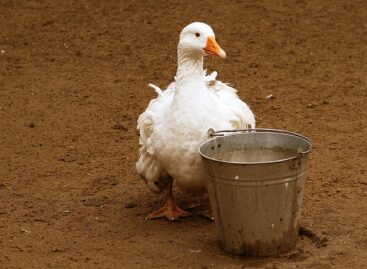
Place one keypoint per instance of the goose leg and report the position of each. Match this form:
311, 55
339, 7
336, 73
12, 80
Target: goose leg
170, 210
208, 213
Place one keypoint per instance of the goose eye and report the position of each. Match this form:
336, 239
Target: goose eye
197, 34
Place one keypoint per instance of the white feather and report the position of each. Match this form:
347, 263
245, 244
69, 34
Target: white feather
153, 165
156, 88
176, 123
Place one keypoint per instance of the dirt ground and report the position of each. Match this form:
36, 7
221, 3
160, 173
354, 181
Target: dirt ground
73, 80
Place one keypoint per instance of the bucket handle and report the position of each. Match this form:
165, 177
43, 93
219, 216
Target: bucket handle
213, 133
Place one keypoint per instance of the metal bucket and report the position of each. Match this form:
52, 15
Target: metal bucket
256, 180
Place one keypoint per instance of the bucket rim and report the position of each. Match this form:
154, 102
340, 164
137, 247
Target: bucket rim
213, 134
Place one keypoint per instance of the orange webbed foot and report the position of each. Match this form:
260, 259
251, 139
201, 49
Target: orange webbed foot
170, 211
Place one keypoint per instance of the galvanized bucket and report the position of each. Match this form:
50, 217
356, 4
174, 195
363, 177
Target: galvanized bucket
256, 179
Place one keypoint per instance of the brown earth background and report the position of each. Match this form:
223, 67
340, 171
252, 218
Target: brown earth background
73, 80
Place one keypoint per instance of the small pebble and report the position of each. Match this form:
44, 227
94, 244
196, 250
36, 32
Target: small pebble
130, 205
32, 125
56, 250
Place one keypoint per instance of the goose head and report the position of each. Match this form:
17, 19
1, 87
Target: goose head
197, 40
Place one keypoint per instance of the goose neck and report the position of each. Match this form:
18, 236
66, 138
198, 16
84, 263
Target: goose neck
189, 66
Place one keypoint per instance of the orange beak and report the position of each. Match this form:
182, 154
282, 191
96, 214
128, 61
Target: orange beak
213, 48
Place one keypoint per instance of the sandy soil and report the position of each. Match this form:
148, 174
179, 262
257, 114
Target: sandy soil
73, 78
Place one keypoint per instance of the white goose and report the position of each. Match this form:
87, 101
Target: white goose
176, 122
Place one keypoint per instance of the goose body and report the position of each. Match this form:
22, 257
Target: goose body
177, 121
